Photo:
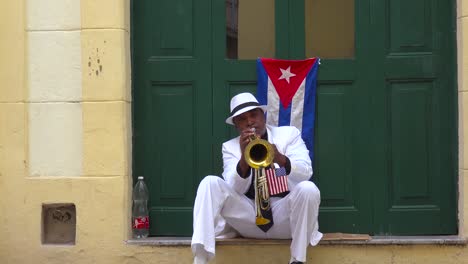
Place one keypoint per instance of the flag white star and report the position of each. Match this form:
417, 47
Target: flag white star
286, 74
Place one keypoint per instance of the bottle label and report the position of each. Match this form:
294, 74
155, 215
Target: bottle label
141, 222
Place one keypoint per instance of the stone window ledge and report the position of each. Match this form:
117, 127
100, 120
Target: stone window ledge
343, 240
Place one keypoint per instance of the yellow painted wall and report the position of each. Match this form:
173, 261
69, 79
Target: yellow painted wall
101, 193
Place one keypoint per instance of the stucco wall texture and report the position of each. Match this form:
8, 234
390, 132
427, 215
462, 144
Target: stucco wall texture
65, 137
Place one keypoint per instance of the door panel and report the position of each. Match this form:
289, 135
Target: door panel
409, 25
334, 169
171, 27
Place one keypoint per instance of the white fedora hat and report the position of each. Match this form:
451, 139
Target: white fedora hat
242, 103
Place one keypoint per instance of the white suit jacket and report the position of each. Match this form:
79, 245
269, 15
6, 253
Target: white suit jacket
288, 141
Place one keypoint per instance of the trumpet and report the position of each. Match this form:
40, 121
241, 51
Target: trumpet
259, 154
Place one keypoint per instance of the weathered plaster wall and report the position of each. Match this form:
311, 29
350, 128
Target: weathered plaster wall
65, 126
87, 122
54, 87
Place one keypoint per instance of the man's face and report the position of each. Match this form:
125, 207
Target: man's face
254, 118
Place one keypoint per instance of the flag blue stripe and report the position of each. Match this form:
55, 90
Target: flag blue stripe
262, 83
284, 115
308, 116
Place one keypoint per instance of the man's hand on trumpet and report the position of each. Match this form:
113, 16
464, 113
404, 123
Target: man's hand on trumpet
245, 138
279, 158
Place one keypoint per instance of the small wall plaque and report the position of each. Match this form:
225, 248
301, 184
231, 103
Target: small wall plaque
58, 224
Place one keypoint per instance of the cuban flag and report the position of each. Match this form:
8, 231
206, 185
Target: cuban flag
288, 88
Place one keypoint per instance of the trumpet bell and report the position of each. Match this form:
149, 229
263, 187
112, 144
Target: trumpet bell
259, 153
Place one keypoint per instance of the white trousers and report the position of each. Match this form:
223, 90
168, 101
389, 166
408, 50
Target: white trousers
219, 211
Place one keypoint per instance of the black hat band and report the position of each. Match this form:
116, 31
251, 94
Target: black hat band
239, 107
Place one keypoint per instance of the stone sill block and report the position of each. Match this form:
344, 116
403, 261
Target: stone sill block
329, 239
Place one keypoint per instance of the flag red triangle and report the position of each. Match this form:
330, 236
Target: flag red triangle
282, 71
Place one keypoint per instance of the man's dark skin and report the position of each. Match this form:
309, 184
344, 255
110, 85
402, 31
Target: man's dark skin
244, 124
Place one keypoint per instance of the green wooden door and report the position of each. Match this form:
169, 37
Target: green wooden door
385, 132
413, 102
172, 106
386, 120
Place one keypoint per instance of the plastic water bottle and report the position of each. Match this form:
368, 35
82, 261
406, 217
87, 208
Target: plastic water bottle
140, 218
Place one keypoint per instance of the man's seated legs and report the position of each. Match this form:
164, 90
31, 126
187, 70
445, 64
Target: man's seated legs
304, 202
295, 216
212, 196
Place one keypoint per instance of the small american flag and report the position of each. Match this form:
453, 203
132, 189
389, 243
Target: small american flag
277, 180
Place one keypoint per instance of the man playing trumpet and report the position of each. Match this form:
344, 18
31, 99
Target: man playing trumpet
237, 203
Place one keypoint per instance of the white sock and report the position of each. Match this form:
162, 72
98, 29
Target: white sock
200, 259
